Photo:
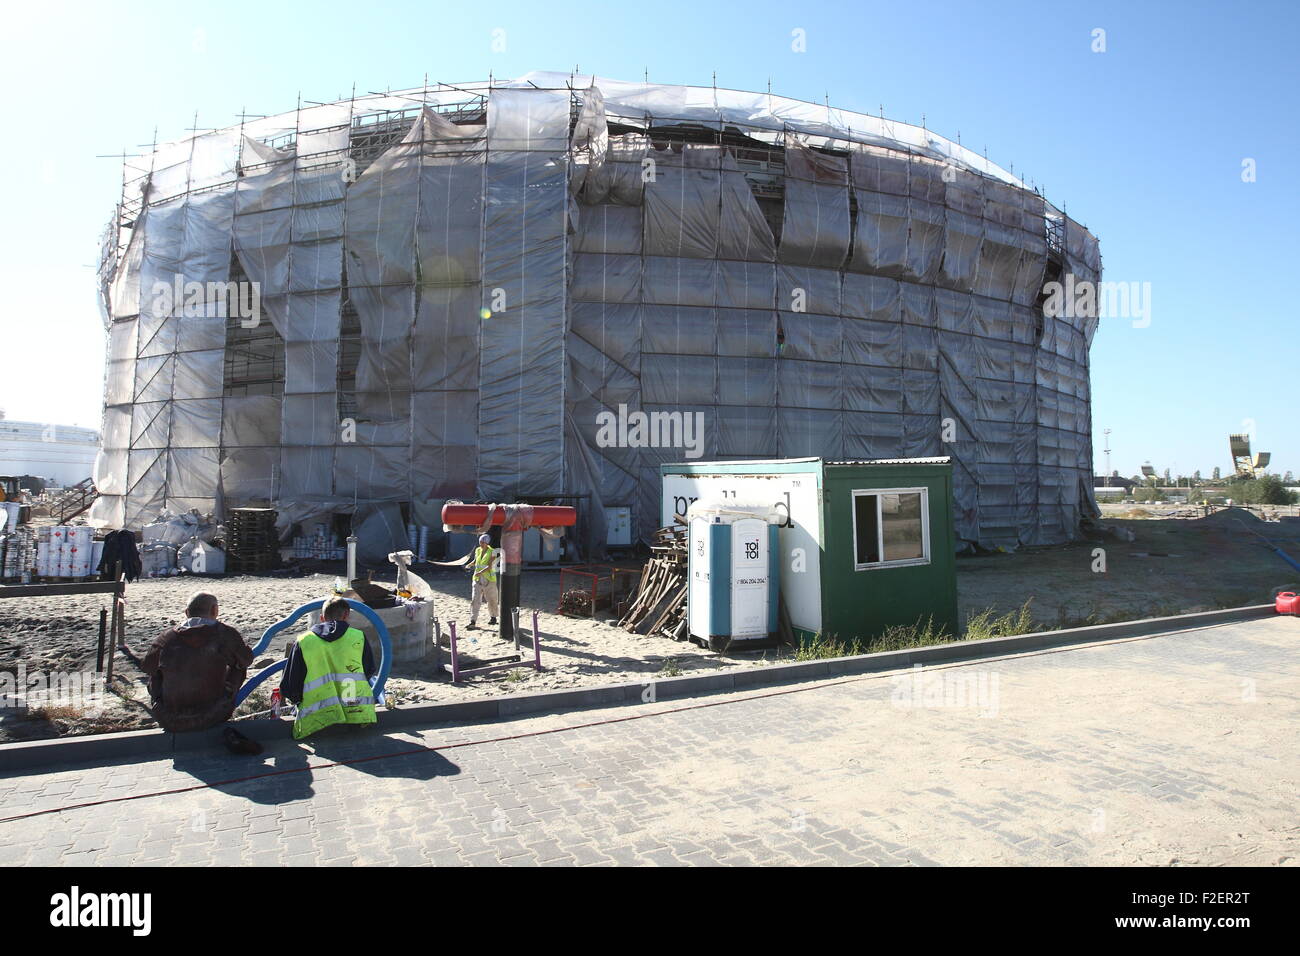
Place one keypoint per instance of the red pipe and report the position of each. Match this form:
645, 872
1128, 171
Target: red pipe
544, 516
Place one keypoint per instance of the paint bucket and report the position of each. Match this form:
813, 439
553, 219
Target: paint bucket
60, 556
81, 545
43, 553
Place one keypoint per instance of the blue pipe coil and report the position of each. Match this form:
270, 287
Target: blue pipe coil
385, 649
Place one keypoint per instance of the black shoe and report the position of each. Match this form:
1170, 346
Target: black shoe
471, 626
237, 743
492, 622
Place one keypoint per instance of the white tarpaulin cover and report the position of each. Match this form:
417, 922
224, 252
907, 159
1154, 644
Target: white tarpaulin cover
461, 288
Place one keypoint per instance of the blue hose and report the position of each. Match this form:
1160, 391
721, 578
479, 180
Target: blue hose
1271, 543
385, 649
1286, 557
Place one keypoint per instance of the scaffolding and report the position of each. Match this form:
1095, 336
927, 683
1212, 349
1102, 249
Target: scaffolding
459, 284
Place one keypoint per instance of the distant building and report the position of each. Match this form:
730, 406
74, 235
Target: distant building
1101, 482
62, 454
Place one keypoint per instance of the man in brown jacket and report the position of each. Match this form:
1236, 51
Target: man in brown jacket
196, 668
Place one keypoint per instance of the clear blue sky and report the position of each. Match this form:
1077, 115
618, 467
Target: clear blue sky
1143, 143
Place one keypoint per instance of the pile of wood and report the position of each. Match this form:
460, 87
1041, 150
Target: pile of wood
659, 605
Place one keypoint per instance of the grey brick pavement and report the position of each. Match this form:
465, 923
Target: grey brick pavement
1179, 748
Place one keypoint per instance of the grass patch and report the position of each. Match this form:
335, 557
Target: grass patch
824, 646
128, 690
902, 636
671, 667
982, 626
57, 712
922, 633
65, 720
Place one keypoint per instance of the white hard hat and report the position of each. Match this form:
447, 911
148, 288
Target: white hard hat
484, 538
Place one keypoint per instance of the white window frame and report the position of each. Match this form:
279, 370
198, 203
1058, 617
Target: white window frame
880, 528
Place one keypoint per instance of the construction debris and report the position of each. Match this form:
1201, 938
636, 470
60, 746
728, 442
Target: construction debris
659, 605
598, 587
576, 602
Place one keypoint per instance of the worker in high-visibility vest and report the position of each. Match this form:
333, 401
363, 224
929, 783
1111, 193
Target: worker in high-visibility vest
484, 570
328, 674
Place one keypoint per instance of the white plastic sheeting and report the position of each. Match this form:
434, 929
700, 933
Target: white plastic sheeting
519, 284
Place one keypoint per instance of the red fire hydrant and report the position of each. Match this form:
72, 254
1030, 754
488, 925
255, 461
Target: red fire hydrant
513, 520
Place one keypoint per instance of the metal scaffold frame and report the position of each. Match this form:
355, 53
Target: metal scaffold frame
460, 285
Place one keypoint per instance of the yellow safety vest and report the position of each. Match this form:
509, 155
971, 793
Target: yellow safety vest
485, 558
335, 690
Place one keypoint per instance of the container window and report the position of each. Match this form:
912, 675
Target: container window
900, 519
866, 529
890, 528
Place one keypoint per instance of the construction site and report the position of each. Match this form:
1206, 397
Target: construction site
661, 327
707, 437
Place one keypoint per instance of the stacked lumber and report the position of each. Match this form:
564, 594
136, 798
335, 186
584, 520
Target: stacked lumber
252, 545
659, 605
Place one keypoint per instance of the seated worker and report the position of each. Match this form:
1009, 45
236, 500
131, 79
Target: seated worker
328, 674
196, 668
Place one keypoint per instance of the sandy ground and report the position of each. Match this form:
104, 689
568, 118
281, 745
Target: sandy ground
1172, 566
60, 634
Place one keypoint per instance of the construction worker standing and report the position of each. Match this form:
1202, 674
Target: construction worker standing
485, 581
328, 674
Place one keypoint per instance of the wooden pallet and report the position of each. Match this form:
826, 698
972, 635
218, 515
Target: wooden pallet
659, 605
252, 544
251, 564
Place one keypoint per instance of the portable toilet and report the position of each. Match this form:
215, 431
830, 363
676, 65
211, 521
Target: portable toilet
733, 576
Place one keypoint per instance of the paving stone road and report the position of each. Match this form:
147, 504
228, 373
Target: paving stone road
1174, 749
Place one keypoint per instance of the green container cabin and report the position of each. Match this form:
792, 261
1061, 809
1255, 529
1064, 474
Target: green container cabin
865, 544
